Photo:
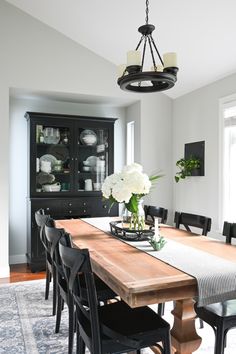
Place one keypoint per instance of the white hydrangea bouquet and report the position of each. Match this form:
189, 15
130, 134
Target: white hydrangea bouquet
128, 187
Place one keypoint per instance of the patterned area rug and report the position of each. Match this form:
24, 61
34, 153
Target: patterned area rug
27, 326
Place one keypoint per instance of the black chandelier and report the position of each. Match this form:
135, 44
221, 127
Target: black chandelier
132, 76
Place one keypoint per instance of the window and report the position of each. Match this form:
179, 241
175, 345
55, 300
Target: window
130, 143
229, 162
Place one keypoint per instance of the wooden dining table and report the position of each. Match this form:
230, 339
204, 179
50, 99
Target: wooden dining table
140, 279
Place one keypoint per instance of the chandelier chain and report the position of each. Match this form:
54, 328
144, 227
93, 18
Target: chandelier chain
147, 11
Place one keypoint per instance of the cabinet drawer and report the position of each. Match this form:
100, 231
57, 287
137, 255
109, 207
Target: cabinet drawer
77, 203
50, 206
100, 207
76, 212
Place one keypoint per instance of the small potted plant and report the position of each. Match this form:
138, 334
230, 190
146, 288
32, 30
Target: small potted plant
157, 243
187, 166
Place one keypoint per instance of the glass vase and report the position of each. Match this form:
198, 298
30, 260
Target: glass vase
134, 221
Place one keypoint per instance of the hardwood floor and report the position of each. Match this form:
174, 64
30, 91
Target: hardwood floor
21, 272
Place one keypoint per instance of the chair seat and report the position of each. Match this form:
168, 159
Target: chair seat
140, 324
221, 309
129, 319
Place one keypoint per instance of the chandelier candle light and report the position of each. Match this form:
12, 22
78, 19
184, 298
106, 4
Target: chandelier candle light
162, 76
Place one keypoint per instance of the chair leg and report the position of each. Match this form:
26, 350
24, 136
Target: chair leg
219, 342
55, 292
71, 323
161, 309
201, 323
59, 307
225, 339
166, 344
48, 278
80, 345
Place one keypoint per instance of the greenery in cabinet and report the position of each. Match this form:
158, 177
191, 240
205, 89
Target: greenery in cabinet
186, 166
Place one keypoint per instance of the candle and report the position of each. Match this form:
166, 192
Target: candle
170, 60
133, 57
156, 229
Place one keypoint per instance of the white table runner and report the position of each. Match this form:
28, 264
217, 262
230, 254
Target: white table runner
216, 277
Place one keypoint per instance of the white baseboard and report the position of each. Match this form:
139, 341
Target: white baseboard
17, 259
4, 271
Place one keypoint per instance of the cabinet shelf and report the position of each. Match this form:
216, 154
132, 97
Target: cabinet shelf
45, 144
91, 173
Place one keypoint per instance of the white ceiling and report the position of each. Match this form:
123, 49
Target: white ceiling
202, 32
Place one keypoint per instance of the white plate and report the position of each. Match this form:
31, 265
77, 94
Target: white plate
92, 160
52, 187
51, 135
49, 158
88, 137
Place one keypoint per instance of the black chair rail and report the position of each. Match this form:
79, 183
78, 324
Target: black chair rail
194, 220
153, 211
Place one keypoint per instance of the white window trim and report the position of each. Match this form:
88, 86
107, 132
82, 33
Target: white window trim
130, 142
223, 103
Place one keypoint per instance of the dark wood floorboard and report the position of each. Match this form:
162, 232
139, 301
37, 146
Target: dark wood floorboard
21, 272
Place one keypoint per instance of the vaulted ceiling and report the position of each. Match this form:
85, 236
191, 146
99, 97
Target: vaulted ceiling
202, 32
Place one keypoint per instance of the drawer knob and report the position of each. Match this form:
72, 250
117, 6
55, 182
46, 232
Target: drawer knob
84, 203
70, 211
84, 210
47, 208
70, 204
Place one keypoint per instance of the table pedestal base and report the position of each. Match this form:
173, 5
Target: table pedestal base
184, 337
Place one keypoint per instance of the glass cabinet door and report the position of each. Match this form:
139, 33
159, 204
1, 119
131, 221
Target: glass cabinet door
53, 158
92, 157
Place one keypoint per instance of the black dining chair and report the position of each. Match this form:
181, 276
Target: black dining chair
114, 327
41, 218
220, 316
229, 230
194, 220
152, 212
53, 236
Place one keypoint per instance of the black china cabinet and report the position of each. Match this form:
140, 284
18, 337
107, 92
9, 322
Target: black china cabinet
69, 158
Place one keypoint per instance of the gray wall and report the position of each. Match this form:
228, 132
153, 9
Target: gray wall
134, 115
195, 118
156, 147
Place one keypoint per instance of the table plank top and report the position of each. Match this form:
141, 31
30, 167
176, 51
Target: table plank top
137, 277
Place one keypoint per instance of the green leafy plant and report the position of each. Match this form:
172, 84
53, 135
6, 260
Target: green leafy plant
186, 167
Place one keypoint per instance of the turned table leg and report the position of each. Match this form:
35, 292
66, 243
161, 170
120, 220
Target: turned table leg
184, 337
